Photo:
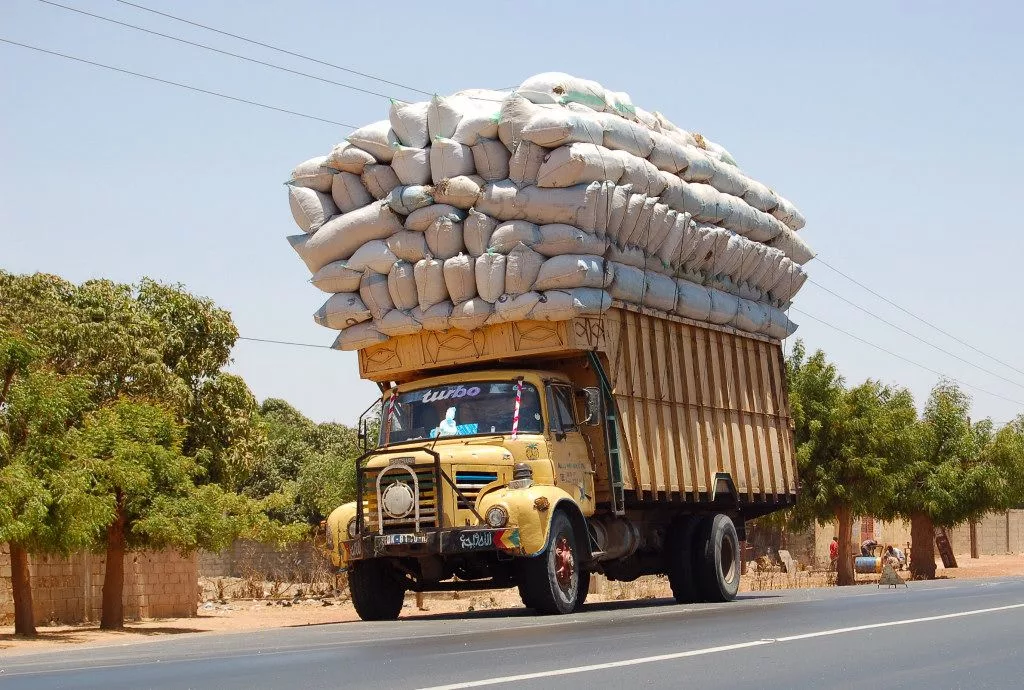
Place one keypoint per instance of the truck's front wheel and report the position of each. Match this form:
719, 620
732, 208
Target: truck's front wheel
377, 594
550, 583
717, 563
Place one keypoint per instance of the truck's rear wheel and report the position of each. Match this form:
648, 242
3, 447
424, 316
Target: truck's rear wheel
679, 558
550, 583
377, 594
717, 559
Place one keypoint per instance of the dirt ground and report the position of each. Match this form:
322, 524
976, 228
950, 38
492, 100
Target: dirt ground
246, 615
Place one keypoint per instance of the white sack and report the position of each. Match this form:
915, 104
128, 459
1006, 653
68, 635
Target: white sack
374, 256
411, 165
524, 165
660, 292
477, 232
373, 290
577, 163
460, 278
406, 199
631, 256
760, 196
623, 135
561, 305
436, 317
345, 157
642, 175
430, 288
628, 284
573, 271
558, 238
723, 306
507, 235
336, 277
342, 310
793, 246
499, 200
778, 324
700, 167
310, 208
641, 233
618, 203
692, 301
788, 214
402, 285
668, 154
444, 238
490, 276
443, 116
379, 180
408, 246
514, 307
358, 337
479, 121
562, 88
471, 314
554, 127
421, 219
348, 192
397, 323
521, 269
750, 317
313, 174
409, 123
461, 192
449, 158
378, 139
341, 236
491, 159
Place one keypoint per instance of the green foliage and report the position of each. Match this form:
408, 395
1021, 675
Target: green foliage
43, 499
847, 440
307, 469
958, 471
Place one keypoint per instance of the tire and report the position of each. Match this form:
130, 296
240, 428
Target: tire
717, 559
376, 593
679, 560
543, 586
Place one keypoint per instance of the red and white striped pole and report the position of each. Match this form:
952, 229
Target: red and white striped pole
515, 413
391, 414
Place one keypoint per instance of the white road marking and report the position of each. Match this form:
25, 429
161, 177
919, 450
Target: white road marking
713, 650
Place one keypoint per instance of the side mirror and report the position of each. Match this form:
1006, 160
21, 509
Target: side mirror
593, 403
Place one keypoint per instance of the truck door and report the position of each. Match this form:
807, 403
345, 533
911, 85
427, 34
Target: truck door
573, 465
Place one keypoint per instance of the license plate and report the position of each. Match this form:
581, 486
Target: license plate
399, 539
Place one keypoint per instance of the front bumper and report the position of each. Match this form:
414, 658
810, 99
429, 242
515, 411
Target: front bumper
438, 542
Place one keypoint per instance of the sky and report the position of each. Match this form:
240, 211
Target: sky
894, 127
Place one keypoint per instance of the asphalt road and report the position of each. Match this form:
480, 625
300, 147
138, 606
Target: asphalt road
942, 634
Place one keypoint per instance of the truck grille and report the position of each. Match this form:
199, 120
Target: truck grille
469, 485
428, 499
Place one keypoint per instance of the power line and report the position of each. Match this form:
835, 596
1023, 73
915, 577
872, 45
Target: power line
284, 342
214, 50
915, 336
175, 83
915, 316
905, 359
273, 47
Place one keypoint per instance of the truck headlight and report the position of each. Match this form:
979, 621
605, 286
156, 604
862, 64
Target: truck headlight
497, 516
351, 528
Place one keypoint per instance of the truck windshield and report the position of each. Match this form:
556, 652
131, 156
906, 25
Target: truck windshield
484, 407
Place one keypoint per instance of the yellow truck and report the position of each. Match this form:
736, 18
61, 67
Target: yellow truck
535, 453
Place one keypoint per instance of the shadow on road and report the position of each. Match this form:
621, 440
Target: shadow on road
80, 634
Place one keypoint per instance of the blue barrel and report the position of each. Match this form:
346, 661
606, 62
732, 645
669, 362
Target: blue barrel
868, 564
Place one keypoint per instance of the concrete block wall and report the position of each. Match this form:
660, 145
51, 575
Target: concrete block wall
69, 589
998, 533
244, 558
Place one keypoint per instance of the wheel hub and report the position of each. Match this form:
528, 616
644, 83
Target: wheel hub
565, 562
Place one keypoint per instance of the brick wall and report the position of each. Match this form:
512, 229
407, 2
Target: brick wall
243, 558
69, 589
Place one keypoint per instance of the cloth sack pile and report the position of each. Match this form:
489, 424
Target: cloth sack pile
544, 203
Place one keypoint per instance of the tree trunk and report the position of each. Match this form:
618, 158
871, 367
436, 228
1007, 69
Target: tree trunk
844, 565
922, 547
21, 586
112, 616
974, 540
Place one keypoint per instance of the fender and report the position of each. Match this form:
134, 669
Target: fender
337, 531
531, 510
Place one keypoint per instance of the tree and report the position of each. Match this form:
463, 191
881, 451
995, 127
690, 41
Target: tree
958, 472
308, 466
149, 343
43, 499
845, 443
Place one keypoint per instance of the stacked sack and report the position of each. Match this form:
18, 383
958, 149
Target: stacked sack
545, 203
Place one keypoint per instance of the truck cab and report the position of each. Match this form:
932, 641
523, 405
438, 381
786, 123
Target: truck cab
466, 474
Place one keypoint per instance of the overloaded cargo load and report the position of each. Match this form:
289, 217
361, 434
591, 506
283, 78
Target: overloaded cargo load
545, 203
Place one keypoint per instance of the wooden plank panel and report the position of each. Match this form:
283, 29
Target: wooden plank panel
680, 438
713, 373
626, 404
759, 458
776, 377
744, 419
656, 340
703, 411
